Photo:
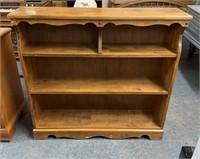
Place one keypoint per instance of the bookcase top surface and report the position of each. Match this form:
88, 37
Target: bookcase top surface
99, 13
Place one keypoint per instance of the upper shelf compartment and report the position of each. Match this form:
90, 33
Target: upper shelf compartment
129, 40
42, 40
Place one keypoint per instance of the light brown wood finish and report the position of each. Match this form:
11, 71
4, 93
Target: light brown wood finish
94, 86
154, 134
89, 101
175, 41
99, 13
73, 112
12, 102
96, 118
97, 72
50, 68
109, 50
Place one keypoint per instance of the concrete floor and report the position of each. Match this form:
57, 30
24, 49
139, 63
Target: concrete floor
182, 128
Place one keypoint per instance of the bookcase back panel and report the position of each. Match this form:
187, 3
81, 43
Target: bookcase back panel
60, 101
129, 34
59, 68
60, 34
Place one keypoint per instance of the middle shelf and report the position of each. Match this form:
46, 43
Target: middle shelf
99, 86
46, 49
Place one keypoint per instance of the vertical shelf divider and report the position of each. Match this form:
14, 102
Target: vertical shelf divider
100, 34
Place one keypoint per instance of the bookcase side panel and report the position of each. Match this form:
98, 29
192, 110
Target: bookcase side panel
11, 91
169, 68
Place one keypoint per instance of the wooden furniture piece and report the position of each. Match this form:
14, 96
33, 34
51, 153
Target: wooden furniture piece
12, 101
182, 4
99, 72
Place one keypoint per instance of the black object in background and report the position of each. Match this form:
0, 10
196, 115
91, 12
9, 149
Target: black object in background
186, 152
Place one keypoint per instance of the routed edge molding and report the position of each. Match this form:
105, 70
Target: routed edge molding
101, 23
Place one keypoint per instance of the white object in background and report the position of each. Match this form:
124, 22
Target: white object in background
196, 154
85, 4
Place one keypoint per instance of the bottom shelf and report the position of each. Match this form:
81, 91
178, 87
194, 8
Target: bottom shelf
87, 123
96, 119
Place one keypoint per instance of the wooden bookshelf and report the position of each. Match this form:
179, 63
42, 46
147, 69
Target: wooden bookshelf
106, 72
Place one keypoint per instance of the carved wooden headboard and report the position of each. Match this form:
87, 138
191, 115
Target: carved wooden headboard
182, 4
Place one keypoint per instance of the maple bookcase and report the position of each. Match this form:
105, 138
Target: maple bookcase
99, 72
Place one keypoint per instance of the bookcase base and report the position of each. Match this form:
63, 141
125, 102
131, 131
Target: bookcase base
153, 134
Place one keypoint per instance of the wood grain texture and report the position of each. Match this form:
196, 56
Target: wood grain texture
175, 41
99, 86
109, 50
50, 68
96, 118
12, 102
99, 13
89, 101
99, 16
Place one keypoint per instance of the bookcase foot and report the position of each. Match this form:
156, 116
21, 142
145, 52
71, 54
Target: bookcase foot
42, 134
157, 136
6, 134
